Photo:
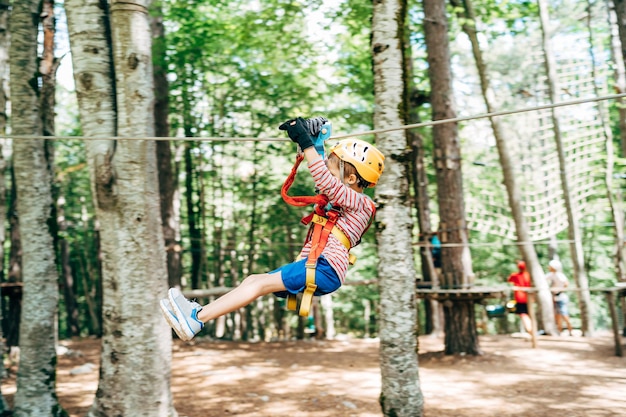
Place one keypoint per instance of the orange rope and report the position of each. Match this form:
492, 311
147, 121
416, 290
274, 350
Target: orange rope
319, 200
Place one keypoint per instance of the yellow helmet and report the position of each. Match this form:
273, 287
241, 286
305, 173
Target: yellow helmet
368, 161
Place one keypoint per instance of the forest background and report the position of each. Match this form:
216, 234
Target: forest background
238, 69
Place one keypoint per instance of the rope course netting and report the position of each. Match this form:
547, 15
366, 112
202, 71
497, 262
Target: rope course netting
530, 137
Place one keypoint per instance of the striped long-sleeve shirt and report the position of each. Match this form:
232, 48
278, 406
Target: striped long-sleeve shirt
356, 212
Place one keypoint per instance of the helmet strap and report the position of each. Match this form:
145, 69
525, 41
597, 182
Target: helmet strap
341, 175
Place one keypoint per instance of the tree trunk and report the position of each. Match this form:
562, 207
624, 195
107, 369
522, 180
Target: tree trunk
513, 190
168, 177
573, 214
4, 407
401, 393
4, 53
195, 238
250, 326
419, 179
14, 308
35, 395
619, 74
136, 345
456, 261
620, 13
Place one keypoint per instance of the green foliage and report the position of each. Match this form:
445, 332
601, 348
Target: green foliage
237, 68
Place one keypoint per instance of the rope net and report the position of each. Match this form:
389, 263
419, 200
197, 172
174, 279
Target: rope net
530, 137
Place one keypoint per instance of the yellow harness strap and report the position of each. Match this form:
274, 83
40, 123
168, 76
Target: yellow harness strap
322, 227
341, 236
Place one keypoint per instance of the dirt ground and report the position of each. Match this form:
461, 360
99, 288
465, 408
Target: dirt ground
563, 376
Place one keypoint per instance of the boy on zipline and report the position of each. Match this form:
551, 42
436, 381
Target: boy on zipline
352, 166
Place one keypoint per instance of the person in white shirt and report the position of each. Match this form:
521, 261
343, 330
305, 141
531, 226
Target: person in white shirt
558, 283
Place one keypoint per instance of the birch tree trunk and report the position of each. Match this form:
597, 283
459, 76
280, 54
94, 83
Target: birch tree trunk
136, 342
401, 394
573, 229
510, 182
35, 395
461, 335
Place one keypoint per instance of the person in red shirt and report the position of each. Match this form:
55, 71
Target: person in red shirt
521, 279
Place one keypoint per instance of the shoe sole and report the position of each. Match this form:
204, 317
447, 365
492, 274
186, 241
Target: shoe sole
172, 320
179, 313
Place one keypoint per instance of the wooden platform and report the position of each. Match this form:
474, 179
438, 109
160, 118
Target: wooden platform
474, 293
477, 294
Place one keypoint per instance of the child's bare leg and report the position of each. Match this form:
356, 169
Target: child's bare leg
249, 290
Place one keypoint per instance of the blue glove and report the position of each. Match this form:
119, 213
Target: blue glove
298, 132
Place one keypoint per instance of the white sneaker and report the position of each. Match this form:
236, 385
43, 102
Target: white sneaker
186, 312
171, 318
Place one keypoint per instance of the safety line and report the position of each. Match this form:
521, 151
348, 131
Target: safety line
349, 135
489, 244
484, 115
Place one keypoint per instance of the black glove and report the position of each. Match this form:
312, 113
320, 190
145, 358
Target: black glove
298, 132
315, 125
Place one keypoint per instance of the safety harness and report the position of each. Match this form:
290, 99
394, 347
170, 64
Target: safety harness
322, 224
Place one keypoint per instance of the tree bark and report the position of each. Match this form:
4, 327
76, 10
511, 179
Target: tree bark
35, 395
14, 308
619, 73
195, 233
456, 261
168, 177
620, 13
401, 393
419, 179
69, 297
4, 52
136, 342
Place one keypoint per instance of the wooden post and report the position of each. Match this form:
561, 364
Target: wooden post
610, 298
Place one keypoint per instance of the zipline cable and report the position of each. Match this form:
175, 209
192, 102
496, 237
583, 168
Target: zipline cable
348, 135
484, 115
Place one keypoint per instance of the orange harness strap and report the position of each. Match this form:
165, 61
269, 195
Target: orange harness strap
323, 225
318, 242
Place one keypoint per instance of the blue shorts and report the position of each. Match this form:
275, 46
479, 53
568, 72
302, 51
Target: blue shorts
294, 277
561, 308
